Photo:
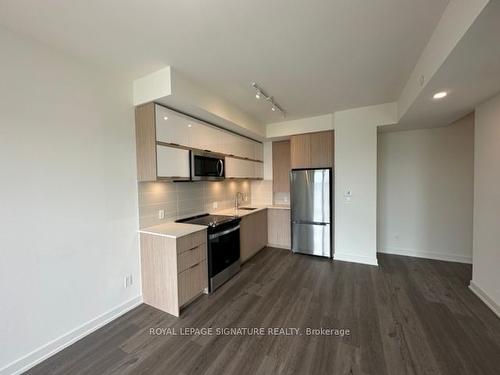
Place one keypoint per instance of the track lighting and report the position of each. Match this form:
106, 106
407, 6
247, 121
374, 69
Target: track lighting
261, 93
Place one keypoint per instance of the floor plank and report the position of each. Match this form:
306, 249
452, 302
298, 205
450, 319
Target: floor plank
408, 316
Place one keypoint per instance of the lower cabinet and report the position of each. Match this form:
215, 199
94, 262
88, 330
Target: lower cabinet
253, 234
174, 270
279, 228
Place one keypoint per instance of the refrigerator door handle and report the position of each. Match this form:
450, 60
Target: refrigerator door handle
309, 222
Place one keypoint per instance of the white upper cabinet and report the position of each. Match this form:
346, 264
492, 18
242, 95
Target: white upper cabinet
175, 128
258, 151
172, 162
171, 127
258, 170
240, 168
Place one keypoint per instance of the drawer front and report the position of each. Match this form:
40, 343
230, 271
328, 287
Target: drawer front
189, 258
191, 241
192, 281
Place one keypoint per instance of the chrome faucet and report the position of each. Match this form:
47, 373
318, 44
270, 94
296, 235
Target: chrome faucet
237, 199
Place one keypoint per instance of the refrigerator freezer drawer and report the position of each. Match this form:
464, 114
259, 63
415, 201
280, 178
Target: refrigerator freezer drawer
312, 239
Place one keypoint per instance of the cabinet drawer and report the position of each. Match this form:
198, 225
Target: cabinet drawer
189, 258
192, 281
191, 241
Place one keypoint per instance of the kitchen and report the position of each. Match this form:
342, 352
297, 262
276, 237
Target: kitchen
250, 187
202, 191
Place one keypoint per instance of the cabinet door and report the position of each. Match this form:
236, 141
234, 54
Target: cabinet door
258, 170
172, 162
261, 230
321, 149
239, 168
171, 127
258, 151
230, 141
281, 167
248, 149
279, 228
253, 234
192, 281
300, 151
205, 137
232, 167
247, 229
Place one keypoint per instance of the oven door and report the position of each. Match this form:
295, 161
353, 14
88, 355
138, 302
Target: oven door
206, 166
223, 249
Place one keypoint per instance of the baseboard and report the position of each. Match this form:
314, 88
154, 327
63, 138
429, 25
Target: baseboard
355, 259
495, 307
426, 254
279, 246
45, 351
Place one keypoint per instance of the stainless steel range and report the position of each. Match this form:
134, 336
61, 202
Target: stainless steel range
223, 246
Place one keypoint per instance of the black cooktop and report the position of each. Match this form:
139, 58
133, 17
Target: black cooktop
209, 220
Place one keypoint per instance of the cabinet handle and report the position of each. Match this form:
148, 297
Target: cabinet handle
196, 265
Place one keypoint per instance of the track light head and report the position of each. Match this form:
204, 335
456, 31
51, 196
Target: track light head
257, 95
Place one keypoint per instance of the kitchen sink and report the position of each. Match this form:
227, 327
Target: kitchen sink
247, 208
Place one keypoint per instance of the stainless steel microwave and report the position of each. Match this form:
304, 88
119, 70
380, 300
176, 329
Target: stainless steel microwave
207, 166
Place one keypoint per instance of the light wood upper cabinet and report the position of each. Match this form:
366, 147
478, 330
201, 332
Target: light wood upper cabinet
281, 167
321, 149
300, 151
312, 150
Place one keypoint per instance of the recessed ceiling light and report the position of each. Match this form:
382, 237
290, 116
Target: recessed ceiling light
165, 118
189, 125
440, 95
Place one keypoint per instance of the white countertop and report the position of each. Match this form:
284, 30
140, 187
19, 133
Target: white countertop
173, 230
176, 230
280, 206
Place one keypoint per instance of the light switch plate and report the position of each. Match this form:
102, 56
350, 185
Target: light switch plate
161, 214
215, 205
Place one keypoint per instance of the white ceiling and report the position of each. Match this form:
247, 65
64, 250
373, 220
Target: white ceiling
470, 75
313, 56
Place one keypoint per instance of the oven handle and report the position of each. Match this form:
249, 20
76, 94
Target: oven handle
217, 235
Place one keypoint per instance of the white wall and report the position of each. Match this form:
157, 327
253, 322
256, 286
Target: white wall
356, 172
486, 244
300, 126
425, 192
68, 199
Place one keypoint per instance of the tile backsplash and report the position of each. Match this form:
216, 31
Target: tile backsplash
184, 199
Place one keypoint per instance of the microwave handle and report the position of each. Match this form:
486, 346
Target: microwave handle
221, 164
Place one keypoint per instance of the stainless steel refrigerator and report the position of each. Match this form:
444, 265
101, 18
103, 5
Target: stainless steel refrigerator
310, 197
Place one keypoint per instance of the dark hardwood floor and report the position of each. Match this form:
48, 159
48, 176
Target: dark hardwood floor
408, 316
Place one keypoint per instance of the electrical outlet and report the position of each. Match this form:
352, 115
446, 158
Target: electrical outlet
128, 281
161, 214
215, 205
